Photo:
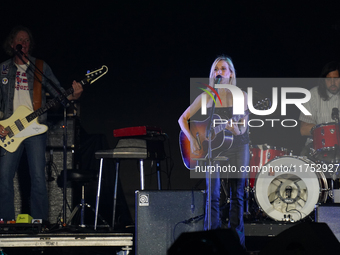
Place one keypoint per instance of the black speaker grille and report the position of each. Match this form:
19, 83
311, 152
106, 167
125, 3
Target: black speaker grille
160, 216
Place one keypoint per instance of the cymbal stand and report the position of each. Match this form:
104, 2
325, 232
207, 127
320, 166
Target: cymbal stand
335, 116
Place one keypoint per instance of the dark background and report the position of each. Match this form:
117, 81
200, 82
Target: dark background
153, 48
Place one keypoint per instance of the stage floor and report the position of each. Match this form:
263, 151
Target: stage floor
32, 239
64, 241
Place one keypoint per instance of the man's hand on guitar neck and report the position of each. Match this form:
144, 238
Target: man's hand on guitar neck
77, 90
3, 131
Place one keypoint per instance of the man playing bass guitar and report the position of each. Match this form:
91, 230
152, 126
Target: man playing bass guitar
19, 76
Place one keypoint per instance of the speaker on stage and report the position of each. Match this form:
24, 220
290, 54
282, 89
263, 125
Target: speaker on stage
330, 214
161, 216
304, 238
212, 242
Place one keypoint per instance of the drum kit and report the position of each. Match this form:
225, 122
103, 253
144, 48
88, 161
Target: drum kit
288, 188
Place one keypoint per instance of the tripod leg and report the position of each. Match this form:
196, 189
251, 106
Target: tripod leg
75, 210
99, 216
98, 192
115, 195
82, 213
247, 192
158, 167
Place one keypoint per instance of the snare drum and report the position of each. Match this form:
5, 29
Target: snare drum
325, 142
260, 155
288, 188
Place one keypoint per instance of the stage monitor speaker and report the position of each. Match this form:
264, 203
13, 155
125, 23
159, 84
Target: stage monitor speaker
330, 214
304, 238
160, 217
213, 242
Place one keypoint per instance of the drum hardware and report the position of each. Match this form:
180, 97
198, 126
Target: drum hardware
247, 196
224, 202
287, 218
335, 116
331, 194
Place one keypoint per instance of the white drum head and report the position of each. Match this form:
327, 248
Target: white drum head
287, 188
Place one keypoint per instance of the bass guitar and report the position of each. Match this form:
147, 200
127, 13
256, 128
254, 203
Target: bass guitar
24, 122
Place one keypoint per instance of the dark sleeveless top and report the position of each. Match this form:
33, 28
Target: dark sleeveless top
227, 113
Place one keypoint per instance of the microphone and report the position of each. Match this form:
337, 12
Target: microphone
335, 114
18, 49
193, 219
218, 79
289, 190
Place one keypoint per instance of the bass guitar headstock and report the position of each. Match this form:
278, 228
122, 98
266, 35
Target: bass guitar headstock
92, 76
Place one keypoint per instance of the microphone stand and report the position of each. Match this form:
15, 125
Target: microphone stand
65, 165
61, 97
209, 136
65, 102
335, 116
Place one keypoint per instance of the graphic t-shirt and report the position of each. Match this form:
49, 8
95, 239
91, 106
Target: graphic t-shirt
21, 93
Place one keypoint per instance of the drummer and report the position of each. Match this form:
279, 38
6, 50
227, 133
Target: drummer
324, 98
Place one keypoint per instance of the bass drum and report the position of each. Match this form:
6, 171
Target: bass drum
288, 188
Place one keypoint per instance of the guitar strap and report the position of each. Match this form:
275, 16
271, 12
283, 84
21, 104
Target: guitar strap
37, 92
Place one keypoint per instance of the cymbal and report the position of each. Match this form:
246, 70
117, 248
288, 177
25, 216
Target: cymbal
257, 96
260, 99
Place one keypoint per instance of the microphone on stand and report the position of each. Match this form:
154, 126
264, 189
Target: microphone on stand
218, 79
335, 114
62, 99
19, 53
19, 49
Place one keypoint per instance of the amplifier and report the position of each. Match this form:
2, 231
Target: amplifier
160, 217
55, 133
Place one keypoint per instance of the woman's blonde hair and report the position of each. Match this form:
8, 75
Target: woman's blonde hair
231, 67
